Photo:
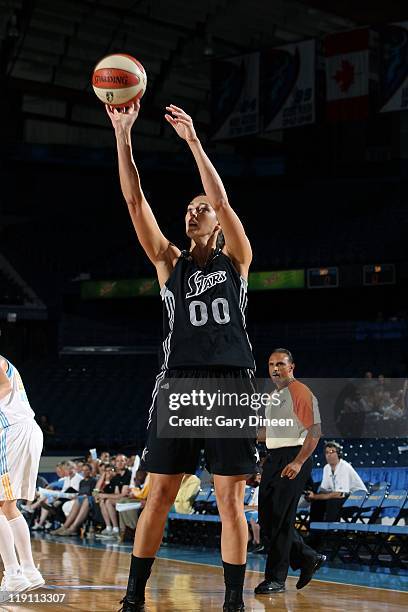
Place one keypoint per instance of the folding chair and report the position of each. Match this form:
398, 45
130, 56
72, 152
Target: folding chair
352, 506
371, 507
201, 499
358, 536
391, 540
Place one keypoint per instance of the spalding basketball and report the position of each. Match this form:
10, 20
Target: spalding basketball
119, 79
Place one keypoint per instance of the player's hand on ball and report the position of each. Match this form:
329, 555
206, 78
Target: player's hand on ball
123, 118
291, 470
182, 123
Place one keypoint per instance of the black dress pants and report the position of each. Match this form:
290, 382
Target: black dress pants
277, 504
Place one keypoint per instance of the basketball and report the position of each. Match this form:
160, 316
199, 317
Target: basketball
119, 79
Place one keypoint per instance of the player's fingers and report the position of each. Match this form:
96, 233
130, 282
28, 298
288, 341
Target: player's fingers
183, 121
177, 108
182, 116
179, 112
170, 119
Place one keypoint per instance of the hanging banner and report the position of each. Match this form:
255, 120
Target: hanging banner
288, 87
235, 96
347, 74
394, 73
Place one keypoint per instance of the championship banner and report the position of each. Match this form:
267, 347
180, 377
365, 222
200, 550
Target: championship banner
394, 81
235, 96
347, 74
288, 85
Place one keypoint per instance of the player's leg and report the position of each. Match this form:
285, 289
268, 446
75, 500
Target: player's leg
23, 465
149, 532
21, 534
230, 491
7, 549
14, 579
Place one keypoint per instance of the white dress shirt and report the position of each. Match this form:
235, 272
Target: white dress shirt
344, 478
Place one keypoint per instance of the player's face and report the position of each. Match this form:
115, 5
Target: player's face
201, 219
280, 368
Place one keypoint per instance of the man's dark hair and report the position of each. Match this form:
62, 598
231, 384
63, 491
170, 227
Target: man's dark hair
88, 465
283, 350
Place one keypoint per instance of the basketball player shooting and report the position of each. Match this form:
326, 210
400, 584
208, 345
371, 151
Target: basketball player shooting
204, 294
21, 442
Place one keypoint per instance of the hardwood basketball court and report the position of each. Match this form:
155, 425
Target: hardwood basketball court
94, 579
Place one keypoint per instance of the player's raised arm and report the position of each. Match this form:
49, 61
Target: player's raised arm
237, 243
155, 244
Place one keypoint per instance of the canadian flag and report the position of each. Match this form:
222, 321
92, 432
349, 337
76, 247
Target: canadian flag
347, 74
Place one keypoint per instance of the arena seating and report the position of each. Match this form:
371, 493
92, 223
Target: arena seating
361, 537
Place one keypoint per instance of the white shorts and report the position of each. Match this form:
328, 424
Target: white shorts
20, 451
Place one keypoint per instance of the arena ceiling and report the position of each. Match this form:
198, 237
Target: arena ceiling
49, 48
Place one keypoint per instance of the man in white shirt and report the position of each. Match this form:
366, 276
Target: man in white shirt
339, 480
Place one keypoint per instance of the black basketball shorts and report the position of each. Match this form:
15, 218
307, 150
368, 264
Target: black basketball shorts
224, 456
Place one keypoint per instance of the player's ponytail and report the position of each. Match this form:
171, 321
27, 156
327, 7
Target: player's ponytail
220, 244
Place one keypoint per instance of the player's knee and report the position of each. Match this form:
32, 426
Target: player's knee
230, 506
161, 499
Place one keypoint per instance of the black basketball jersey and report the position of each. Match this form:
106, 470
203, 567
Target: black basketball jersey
204, 312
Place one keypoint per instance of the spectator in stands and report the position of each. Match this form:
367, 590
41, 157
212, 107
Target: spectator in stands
105, 457
138, 493
79, 464
31, 507
189, 487
117, 487
251, 513
70, 485
383, 383
339, 480
81, 505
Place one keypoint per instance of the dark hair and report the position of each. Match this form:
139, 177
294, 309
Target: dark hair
283, 350
88, 465
220, 244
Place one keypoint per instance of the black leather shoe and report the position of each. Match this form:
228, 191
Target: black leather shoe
306, 573
269, 587
259, 550
128, 606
